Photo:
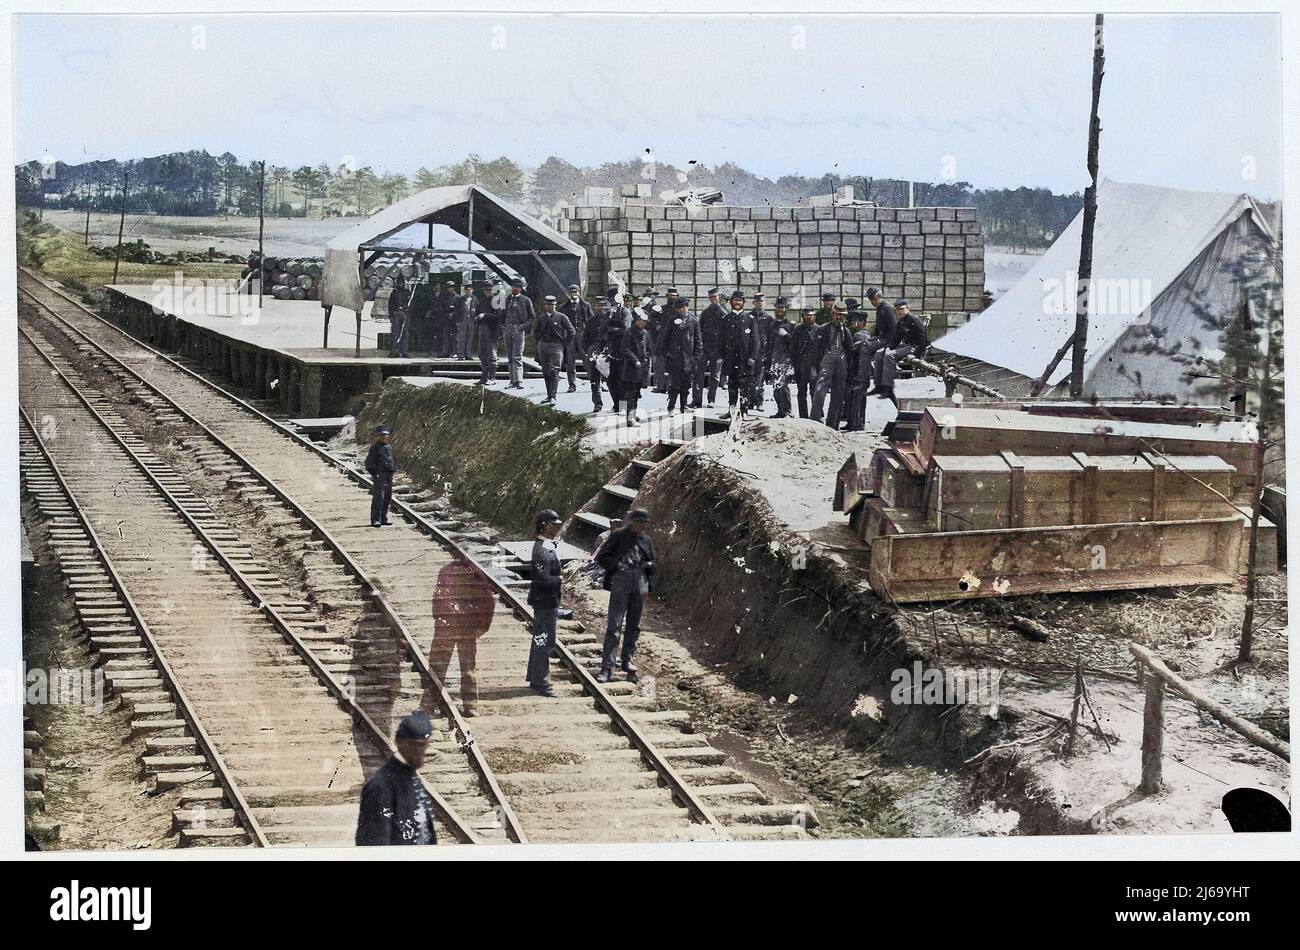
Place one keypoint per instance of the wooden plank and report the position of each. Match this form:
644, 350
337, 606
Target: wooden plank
1015, 561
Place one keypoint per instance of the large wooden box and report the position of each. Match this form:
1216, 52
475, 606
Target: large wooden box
967, 492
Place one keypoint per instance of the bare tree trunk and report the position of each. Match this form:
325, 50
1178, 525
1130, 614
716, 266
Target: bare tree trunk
1089, 217
1248, 617
261, 225
121, 220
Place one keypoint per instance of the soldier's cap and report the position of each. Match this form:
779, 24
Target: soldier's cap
515, 282
416, 725
680, 303
671, 290
852, 304
759, 296
574, 287
649, 292
808, 311
638, 313
782, 302
638, 514
449, 283
859, 316
839, 308
611, 293
544, 517
714, 292
873, 293
549, 298
828, 296
737, 295
382, 430
900, 302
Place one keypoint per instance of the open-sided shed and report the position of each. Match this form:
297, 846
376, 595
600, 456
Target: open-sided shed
493, 231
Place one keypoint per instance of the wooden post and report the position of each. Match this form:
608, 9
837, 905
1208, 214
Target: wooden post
1089, 217
1153, 737
357, 351
121, 221
87, 221
261, 224
469, 231
1248, 618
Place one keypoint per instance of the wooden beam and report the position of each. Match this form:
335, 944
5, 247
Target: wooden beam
1153, 737
1243, 727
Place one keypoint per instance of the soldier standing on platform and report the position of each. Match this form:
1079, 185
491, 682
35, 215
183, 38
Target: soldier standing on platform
518, 317
831, 357
780, 359
463, 315
399, 307
443, 307
489, 332
554, 334
617, 319
805, 342
740, 356
706, 371
680, 348
579, 313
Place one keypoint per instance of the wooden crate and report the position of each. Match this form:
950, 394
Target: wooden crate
895, 486
1009, 562
1116, 488
1045, 490
1190, 486
966, 492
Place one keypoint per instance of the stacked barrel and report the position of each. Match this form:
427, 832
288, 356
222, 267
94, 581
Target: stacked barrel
293, 278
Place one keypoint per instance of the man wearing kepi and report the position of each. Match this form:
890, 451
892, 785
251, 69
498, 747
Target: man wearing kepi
679, 350
554, 333
396, 808
544, 586
909, 340
579, 313
518, 318
380, 466
628, 559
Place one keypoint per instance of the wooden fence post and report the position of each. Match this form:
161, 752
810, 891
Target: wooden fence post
1153, 737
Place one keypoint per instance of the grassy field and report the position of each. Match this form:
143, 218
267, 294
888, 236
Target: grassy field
61, 255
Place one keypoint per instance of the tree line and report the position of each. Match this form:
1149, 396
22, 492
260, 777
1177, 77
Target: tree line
198, 183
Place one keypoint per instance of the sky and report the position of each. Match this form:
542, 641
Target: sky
1189, 101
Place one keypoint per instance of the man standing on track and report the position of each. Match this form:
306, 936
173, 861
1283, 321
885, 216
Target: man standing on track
628, 559
544, 586
380, 465
463, 604
396, 808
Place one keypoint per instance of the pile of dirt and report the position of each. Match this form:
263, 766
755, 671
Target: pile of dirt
804, 625
488, 453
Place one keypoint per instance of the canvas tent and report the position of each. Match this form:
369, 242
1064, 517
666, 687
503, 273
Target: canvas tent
492, 232
1161, 257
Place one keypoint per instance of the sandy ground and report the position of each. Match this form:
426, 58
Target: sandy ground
284, 237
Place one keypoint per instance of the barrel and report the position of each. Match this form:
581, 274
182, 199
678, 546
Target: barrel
298, 293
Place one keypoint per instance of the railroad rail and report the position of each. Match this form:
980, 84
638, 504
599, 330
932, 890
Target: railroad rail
325, 494
163, 525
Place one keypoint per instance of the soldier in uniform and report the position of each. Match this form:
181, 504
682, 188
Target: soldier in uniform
739, 354
779, 362
831, 357
380, 465
883, 331
634, 349
763, 330
443, 306
518, 317
680, 348
617, 320
579, 313
396, 808
909, 339
399, 307
706, 371
544, 586
464, 602
489, 332
554, 333
803, 347
627, 558
593, 343
463, 315
861, 362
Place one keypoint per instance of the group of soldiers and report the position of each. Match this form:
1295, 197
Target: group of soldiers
835, 356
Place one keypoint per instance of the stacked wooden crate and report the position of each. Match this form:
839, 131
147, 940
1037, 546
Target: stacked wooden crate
1004, 501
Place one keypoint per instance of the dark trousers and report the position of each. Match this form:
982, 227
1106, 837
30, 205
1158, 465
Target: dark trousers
737, 386
804, 378
831, 378
781, 389
625, 610
857, 406
398, 326
570, 362
487, 352
706, 374
381, 495
679, 384
615, 381
539, 653
551, 356
594, 377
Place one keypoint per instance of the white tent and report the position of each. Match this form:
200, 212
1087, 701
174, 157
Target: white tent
548, 260
1161, 257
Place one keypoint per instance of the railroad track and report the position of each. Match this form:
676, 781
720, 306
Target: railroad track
600, 762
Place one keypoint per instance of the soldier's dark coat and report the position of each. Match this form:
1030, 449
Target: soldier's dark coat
739, 341
395, 808
712, 318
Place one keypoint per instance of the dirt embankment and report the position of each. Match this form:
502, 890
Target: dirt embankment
499, 457
749, 590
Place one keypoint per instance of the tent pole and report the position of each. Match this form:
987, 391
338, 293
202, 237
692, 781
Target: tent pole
469, 237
